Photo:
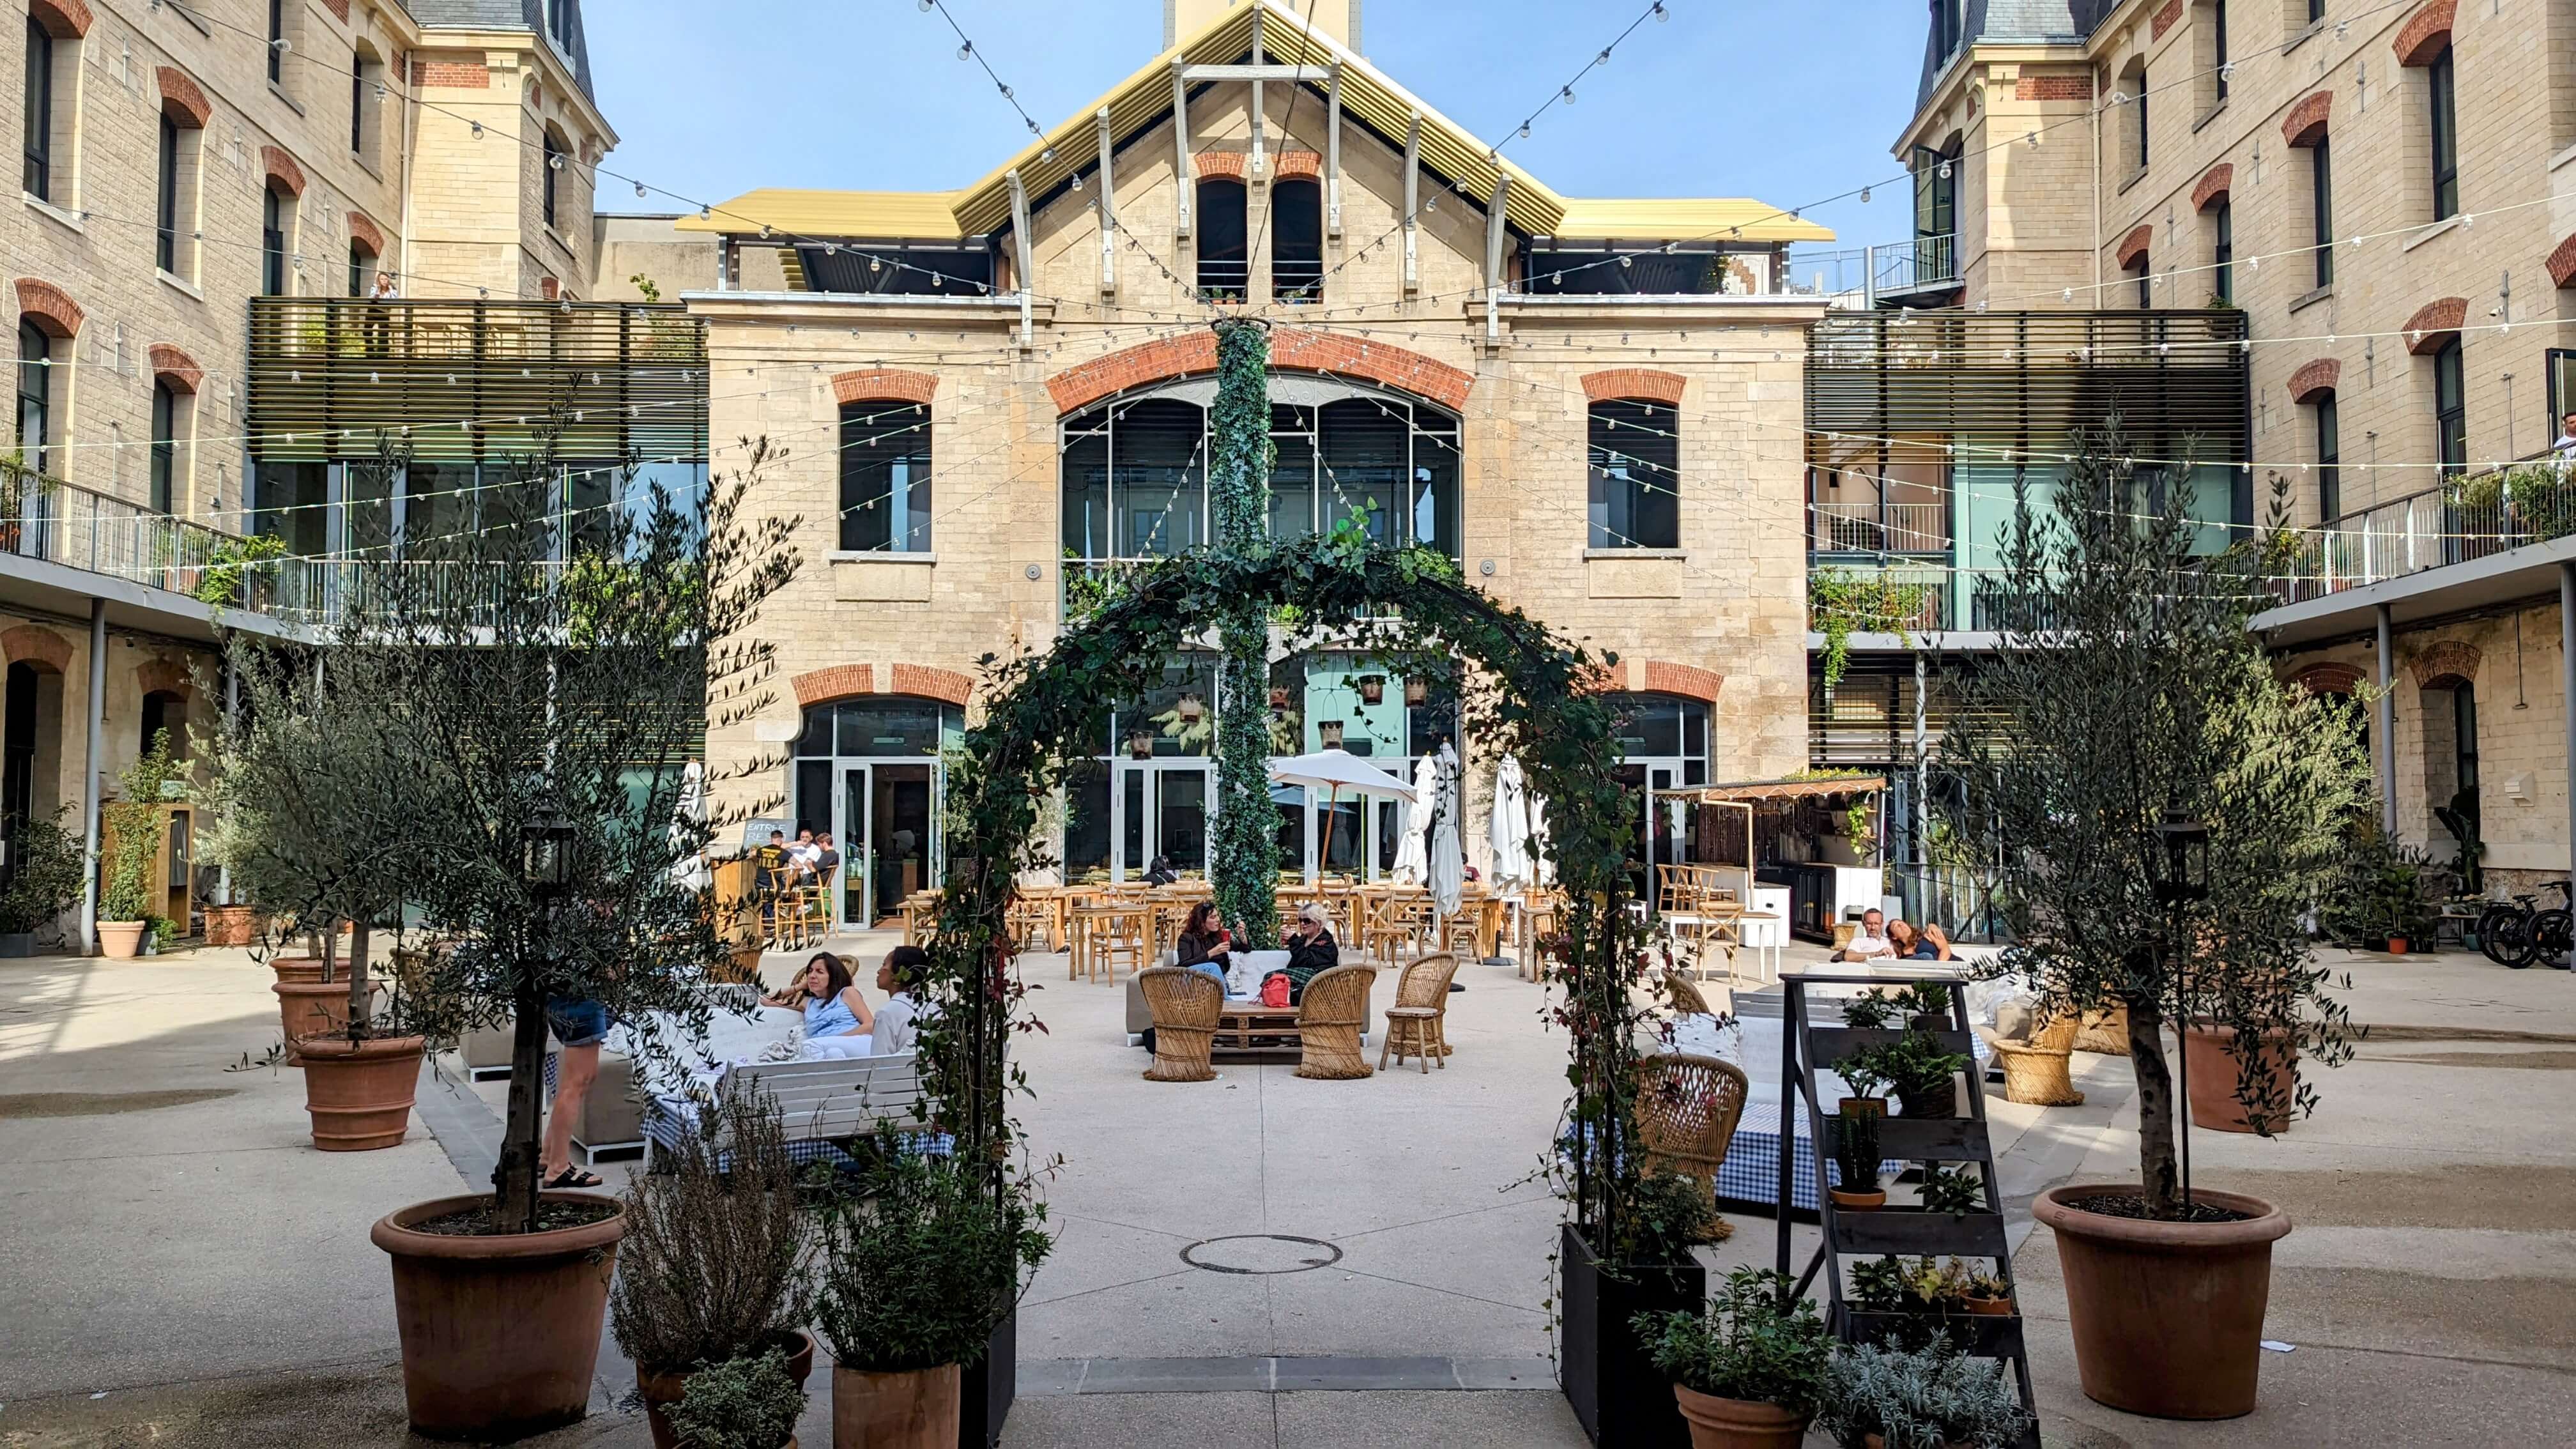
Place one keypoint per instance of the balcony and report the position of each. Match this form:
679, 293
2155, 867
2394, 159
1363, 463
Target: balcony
1915, 273
1879, 528
2474, 516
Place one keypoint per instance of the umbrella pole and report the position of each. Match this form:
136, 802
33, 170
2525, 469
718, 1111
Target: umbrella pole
1324, 862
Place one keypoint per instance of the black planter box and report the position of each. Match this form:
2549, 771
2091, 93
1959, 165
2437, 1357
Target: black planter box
985, 1390
1619, 1398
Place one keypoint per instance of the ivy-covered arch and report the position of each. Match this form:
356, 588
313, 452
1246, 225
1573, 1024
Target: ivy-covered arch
1526, 692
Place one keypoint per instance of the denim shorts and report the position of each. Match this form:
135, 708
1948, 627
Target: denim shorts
577, 1021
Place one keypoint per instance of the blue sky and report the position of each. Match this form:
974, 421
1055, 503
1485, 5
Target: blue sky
1785, 100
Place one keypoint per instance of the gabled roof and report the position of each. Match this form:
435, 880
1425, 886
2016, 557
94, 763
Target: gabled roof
506, 15
1144, 99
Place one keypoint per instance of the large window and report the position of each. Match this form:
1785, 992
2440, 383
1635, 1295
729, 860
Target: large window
276, 213
362, 265
1947, 29
885, 477
2217, 18
2446, 136
165, 447
277, 42
2329, 460
2450, 410
1635, 470
2138, 134
1296, 241
2321, 207
35, 396
37, 175
554, 171
1936, 211
559, 23
2144, 276
165, 243
1225, 256
2222, 252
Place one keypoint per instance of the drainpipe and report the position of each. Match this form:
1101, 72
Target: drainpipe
2385, 729
2567, 685
2091, 84
89, 772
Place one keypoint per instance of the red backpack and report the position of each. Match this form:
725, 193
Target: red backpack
1274, 989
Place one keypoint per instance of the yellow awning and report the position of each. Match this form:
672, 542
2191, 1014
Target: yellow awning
884, 215
1721, 219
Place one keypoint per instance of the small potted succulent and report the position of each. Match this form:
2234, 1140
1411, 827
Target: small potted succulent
741, 1403
1986, 1293
1856, 1162
1748, 1369
1957, 1190
1932, 1397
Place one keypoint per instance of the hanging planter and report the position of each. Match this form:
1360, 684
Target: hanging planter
1140, 745
1191, 706
1372, 688
1330, 731
1281, 697
1417, 692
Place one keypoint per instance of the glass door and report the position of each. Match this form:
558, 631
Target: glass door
1163, 811
902, 829
857, 861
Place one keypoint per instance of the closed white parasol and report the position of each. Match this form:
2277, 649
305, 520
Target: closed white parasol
1510, 827
1448, 866
1412, 855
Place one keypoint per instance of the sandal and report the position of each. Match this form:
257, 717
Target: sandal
574, 1177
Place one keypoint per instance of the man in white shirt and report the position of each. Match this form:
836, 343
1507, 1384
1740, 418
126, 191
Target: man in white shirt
1870, 940
898, 977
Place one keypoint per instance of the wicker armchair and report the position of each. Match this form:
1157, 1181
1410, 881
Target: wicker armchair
1687, 997
1185, 1004
1417, 1024
1330, 1017
1687, 1108
2105, 1032
2035, 1070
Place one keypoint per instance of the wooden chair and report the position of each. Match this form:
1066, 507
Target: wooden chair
1330, 1017
1185, 1004
1104, 934
1687, 1108
1417, 1024
805, 913
2035, 1071
1031, 919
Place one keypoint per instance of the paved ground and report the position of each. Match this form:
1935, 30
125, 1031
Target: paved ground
174, 1247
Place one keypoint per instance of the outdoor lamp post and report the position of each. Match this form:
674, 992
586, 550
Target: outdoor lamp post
545, 859
2185, 879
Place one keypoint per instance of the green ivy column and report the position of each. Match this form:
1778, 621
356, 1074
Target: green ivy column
1244, 846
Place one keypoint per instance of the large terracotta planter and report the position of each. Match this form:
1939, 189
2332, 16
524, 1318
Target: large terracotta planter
2167, 1317
120, 940
309, 1008
359, 1093
2215, 1066
230, 926
500, 1335
909, 1409
661, 1391
1717, 1423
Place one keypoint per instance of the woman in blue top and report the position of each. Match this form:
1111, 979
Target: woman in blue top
832, 1006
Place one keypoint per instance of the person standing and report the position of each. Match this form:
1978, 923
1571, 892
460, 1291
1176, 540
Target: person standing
579, 1025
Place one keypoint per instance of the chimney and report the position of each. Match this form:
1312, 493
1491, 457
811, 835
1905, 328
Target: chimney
1339, 19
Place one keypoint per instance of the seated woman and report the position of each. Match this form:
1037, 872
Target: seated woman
1933, 945
1902, 937
1160, 872
1204, 945
835, 1013
1311, 951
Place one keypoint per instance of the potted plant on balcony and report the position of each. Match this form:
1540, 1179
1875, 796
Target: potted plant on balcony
712, 1268
133, 866
1747, 1369
46, 883
2162, 811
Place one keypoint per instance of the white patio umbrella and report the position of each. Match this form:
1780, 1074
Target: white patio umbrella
1448, 867
1509, 830
1412, 858
1334, 771
690, 871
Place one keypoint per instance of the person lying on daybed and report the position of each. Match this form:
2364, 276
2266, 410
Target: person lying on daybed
837, 1019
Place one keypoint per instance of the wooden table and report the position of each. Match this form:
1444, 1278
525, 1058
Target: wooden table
1240, 1021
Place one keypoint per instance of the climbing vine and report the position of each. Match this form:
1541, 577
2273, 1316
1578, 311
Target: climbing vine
1843, 603
1243, 839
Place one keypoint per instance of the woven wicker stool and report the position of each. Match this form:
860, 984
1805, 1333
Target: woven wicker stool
2035, 1070
1687, 1108
1330, 1017
1416, 1025
1185, 1004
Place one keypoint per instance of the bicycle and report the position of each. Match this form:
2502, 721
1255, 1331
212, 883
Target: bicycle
2517, 935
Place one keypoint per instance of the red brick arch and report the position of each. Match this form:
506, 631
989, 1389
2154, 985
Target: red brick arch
2424, 34
1210, 164
181, 98
2134, 245
176, 368
1641, 384
62, 19
2314, 379
164, 676
2213, 187
1292, 349
2562, 262
49, 307
2328, 679
2164, 20
28, 644
279, 167
849, 681
1290, 165
2305, 125
1663, 676
366, 233
2437, 664
884, 384
2435, 323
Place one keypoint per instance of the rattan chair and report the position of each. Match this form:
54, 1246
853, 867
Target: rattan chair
1417, 1024
1185, 1004
2106, 1032
1330, 1017
2035, 1070
1687, 1108
1686, 996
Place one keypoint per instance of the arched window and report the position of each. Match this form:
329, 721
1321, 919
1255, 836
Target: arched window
885, 477
35, 395
276, 214
1296, 241
1225, 257
163, 710
165, 446
1636, 474
2329, 459
362, 263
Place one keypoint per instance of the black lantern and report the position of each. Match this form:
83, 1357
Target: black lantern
2186, 842
545, 856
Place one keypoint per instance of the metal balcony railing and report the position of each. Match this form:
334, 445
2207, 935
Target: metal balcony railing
1224, 279
64, 523
1862, 276
1879, 528
2468, 517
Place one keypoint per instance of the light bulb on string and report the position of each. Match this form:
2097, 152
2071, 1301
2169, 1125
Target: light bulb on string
966, 51
1864, 196
1568, 93
639, 190
1661, 14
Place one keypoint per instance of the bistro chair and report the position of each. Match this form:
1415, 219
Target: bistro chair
1185, 1004
1416, 1025
1687, 1107
1330, 1017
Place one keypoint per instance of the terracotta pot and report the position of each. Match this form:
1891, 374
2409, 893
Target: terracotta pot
1717, 1423
1857, 1106
120, 940
2215, 1066
2397, 945
1988, 1307
2167, 1317
359, 1094
660, 1391
908, 1409
230, 926
310, 1008
297, 968
500, 1334
1858, 1202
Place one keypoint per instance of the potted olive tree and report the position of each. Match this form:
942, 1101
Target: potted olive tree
2163, 811
45, 882
1748, 1369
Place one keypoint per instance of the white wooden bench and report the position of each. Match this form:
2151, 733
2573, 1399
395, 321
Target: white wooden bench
820, 1102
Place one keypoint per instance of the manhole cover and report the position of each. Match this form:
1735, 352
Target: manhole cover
1261, 1253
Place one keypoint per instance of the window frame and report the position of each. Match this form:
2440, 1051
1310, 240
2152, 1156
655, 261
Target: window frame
276, 42
2329, 438
553, 155
2218, 47
1305, 292
361, 262
37, 158
1239, 202
2451, 412
901, 494
35, 392
1599, 477
2145, 276
2321, 203
2222, 250
165, 447
273, 224
2441, 82
165, 241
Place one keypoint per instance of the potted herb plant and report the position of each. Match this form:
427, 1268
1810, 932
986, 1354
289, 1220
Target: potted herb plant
46, 883
910, 1279
1748, 1369
133, 862
1856, 1162
711, 1271
1931, 1397
2164, 812
1986, 1293
752, 1402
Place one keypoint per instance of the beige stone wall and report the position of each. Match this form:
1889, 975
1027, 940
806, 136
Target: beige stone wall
626, 247
58, 652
